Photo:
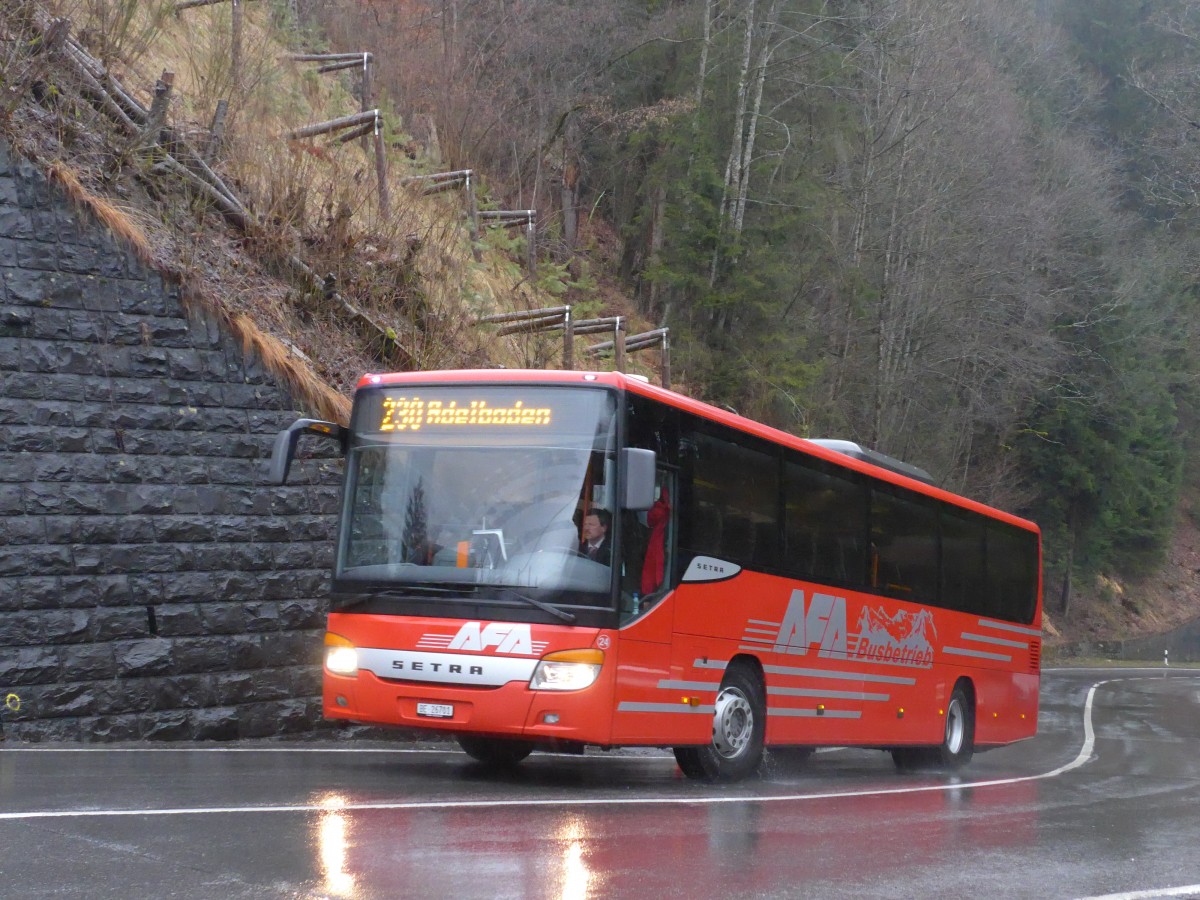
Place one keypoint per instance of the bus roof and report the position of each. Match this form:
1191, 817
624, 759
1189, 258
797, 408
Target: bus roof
846, 454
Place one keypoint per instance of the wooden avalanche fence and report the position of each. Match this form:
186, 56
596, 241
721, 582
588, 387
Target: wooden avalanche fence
150, 136
559, 317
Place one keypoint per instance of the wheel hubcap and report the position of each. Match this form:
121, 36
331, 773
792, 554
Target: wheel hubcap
955, 728
733, 724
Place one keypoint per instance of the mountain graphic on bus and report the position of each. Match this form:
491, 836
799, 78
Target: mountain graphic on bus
905, 637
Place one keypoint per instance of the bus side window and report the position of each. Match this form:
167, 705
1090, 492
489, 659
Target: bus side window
707, 529
734, 499
964, 580
825, 520
904, 545
1012, 565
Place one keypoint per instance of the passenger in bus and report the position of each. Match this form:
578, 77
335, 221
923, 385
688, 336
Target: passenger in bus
595, 544
656, 544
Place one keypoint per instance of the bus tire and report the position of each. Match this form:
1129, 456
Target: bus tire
958, 740
958, 743
498, 753
739, 724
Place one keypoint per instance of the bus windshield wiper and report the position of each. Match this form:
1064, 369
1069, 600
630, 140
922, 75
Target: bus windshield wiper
466, 591
366, 595
424, 590
540, 604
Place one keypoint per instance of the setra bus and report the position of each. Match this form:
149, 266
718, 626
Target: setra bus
556, 559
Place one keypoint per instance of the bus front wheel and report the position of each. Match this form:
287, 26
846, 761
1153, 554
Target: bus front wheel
739, 723
499, 753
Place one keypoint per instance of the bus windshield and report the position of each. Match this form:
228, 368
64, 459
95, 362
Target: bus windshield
478, 486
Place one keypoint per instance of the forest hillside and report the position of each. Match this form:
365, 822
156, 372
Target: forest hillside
958, 232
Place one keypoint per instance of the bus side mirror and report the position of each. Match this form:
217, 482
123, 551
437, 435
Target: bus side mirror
639, 468
285, 445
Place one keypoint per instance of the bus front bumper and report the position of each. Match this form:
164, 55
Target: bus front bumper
512, 709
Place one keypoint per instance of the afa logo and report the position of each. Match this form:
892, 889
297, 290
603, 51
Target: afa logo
503, 637
903, 638
821, 622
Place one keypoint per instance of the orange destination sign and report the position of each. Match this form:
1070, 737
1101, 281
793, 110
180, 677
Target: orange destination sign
412, 413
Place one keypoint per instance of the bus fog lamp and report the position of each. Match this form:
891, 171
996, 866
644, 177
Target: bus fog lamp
568, 670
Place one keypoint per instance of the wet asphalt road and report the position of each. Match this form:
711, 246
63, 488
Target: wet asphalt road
1059, 816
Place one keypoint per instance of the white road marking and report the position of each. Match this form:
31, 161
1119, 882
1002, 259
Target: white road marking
1192, 889
221, 750
1084, 755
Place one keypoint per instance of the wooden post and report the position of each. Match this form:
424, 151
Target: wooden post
192, 4
666, 360
368, 90
367, 86
619, 344
381, 167
526, 316
473, 216
236, 50
531, 245
530, 322
216, 132
337, 65
369, 117
362, 131
568, 359
157, 119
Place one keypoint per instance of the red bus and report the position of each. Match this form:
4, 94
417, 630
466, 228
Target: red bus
748, 589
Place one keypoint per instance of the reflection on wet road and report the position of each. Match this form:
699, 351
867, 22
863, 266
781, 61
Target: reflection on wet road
1104, 801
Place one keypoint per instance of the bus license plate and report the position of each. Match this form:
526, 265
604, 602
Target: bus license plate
436, 710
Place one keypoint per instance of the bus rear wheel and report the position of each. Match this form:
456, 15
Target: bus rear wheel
739, 724
958, 741
499, 753
958, 744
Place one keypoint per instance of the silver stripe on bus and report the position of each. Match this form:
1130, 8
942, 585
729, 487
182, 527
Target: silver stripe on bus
766, 642
755, 645
837, 695
1005, 626
811, 673
817, 714
840, 676
977, 654
668, 684
1001, 642
628, 706
770, 631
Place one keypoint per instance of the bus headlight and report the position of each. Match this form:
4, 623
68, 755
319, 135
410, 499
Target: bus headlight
341, 658
567, 670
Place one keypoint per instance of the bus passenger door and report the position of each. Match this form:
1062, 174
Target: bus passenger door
644, 646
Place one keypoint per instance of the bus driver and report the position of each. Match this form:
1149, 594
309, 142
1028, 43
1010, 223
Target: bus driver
595, 544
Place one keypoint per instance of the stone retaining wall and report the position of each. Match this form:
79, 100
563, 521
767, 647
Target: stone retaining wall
151, 584
1179, 645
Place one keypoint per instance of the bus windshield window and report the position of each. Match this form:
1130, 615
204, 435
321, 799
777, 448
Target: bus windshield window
482, 486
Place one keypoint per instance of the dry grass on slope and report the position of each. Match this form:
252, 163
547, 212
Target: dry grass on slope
412, 273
